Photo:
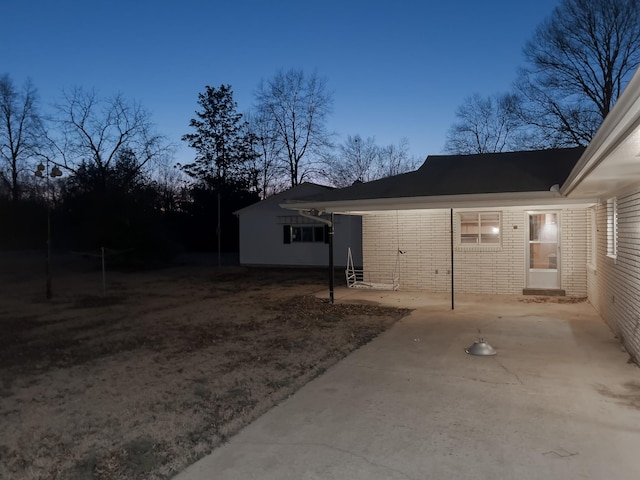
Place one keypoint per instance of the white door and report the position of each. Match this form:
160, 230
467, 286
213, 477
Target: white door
543, 259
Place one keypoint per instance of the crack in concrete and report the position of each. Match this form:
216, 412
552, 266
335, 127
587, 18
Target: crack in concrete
510, 372
490, 382
337, 449
561, 453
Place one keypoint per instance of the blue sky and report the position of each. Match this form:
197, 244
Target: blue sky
397, 68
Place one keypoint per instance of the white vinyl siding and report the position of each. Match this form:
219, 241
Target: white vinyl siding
263, 237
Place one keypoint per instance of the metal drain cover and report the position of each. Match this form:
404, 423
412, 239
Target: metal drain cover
480, 347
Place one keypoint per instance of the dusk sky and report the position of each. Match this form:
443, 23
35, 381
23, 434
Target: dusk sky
397, 68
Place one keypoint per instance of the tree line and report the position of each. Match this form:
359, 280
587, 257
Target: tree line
119, 186
284, 140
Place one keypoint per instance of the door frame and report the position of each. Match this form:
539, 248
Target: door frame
527, 260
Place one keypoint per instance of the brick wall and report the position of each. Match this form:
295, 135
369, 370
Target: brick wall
616, 295
574, 241
495, 270
424, 237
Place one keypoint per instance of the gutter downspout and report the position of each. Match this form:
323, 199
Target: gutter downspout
315, 215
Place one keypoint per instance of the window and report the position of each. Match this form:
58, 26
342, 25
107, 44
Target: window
304, 234
479, 228
612, 227
543, 241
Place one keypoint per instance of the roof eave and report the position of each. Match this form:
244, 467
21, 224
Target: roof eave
614, 130
482, 200
261, 203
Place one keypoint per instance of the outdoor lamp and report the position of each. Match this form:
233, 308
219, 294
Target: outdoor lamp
54, 172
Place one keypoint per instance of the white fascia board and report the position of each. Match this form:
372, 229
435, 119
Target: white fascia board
493, 200
622, 120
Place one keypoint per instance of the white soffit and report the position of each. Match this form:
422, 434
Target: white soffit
528, 200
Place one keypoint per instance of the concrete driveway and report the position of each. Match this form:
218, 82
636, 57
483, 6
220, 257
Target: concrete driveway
560, 400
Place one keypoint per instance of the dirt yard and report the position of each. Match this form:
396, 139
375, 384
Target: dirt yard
142, 381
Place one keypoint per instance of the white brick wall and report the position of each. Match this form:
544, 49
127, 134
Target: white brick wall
616, 294
574, 240
424, 237
421, 235
495, 270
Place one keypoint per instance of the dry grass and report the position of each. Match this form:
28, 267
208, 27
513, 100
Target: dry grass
144, 381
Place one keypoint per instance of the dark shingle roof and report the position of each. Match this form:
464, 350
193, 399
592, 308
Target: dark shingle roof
294, 193
527, 171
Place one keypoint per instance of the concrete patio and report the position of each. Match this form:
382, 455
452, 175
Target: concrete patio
559, 400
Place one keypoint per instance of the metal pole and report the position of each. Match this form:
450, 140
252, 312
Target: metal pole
451, 228
104, 279
48, 267
331, 259
55, 172
219, 232
315, 215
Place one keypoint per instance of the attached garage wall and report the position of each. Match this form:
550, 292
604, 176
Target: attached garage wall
424, 238
616, 291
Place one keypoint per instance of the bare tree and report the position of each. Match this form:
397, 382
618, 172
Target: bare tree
396, 159
268, 171
579, 60
169, 182
297, 106
485, 125
357, 160
96, 132
361, 160
20, 134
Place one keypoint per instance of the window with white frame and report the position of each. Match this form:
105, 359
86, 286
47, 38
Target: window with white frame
612, 227
479, 228
304, 234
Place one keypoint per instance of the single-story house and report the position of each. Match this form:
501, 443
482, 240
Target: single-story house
563, 221
512, 229
273, 236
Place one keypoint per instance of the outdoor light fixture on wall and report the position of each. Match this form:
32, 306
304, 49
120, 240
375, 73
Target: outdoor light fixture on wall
55, 171
42, 171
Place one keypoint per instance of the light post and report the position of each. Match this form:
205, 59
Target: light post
55, 172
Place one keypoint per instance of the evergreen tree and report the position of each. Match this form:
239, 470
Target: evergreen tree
221, 139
